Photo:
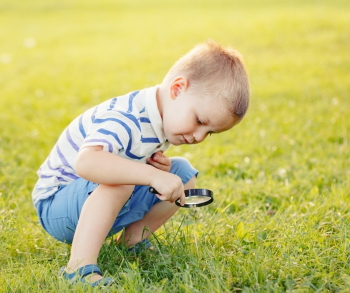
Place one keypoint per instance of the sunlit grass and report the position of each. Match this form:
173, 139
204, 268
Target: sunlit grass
281, 178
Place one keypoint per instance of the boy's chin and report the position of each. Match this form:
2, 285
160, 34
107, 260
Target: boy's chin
175, 141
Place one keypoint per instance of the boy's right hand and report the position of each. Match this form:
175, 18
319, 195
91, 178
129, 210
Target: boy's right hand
169, 186
96, 165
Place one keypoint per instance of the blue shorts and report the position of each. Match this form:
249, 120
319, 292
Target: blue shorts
59, 214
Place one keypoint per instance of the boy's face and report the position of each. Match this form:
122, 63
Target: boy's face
189, 118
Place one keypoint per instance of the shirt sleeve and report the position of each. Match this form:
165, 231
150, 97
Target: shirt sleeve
113, 130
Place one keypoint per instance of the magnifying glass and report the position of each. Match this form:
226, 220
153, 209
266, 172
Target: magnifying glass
197, 197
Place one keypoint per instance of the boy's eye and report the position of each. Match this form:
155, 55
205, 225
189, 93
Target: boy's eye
199, 121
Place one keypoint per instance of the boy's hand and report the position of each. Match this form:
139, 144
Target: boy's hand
169, 186
160, 161
109, 172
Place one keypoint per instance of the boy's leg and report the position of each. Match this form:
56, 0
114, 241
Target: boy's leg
154, 219
96, 219
83, 213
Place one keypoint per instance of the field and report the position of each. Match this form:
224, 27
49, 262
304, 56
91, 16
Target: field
281, 179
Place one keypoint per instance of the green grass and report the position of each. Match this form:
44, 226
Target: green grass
281, 215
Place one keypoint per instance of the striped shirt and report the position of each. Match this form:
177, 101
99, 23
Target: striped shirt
129, 126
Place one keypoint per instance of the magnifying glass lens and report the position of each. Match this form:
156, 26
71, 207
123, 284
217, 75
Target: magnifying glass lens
196, 199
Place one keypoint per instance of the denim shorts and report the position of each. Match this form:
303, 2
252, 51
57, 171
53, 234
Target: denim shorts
59, 214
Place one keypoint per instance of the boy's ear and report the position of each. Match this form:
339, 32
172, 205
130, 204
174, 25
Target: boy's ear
178, 85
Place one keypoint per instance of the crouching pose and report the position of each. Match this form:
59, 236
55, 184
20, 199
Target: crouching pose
95, 181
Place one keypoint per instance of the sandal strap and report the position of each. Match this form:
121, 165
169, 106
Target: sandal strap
105, 282
88, 270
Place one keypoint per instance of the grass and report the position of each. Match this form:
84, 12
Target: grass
281, 179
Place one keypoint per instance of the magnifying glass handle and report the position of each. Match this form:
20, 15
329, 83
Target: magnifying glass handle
153, 190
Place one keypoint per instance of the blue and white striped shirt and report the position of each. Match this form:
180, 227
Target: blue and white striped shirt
129, 126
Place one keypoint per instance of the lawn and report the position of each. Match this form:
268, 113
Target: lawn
281, 179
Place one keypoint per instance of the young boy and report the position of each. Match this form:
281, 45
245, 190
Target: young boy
95, 181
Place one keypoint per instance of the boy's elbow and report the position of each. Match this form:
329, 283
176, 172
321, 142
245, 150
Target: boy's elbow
85, 162
81, 164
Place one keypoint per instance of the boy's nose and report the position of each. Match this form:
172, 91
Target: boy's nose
200, 136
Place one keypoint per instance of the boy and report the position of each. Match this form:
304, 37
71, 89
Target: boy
95, 181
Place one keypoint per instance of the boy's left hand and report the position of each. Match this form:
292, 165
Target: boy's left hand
160, 161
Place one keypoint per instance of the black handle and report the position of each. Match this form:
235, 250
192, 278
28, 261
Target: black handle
153, 190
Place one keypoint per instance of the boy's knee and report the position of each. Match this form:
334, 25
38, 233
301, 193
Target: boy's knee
183, 168
125, 189
180, 163
117, 190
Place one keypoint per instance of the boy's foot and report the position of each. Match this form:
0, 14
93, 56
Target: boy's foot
141, 246
85, 275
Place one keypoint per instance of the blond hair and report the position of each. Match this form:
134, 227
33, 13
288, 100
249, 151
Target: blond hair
219, 71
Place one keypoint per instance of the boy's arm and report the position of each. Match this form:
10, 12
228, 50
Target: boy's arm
96, 165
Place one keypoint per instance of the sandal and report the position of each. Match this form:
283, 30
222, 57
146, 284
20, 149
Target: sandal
80, 274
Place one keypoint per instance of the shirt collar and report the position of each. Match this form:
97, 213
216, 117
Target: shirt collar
153, 113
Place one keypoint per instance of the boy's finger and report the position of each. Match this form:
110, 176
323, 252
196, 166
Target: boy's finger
165, 168
154, 161
182, 199
161, 197
157, 154
159, 158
